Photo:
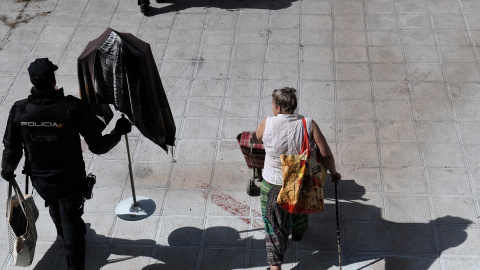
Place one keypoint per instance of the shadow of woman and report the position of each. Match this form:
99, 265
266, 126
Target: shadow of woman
230, 5
181, 253
223, 248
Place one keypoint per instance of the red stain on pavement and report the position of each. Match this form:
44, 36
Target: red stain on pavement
229, 204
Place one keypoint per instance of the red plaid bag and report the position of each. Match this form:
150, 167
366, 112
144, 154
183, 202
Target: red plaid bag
254, 153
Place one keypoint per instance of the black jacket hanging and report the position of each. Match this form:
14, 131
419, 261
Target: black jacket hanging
119, 69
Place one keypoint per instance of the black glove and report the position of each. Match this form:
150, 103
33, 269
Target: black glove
122, 127
7, 175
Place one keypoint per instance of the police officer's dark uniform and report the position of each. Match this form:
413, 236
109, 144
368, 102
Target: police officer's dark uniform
46, 126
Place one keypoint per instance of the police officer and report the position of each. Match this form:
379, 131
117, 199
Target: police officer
47, 126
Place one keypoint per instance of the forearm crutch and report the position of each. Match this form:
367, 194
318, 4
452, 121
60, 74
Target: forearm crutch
338, 227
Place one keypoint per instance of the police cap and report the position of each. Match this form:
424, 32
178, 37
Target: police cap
41, 67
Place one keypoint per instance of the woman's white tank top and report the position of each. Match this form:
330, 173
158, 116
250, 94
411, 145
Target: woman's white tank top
283, 135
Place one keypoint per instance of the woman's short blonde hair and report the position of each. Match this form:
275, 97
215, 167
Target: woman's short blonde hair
286, 99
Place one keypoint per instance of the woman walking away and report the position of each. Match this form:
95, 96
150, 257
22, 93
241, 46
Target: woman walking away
283, 134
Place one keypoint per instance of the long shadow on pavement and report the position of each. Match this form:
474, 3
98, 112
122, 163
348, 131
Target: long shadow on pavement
368, 241
371, 242
232, 5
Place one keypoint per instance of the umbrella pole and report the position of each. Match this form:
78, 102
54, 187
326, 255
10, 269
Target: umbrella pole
172, 150
134, 208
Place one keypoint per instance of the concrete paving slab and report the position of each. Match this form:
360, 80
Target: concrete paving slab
257, 258
439, 177
190, 202
14, 49
190, 175
224, 231
357, 131
194, 150
366, 179
181, 231
451, 237
397, 132
358, 210
244, 88
45, 225
174, 258
242, 70
223, 178
99, 228
234, 258
402, 244
228, 150
4, 256
150, 174
365, 237
3, 227
257, 233
364, 155
464, 208
241, 108
465, 263
157, 195
140, 232
11, 65
238, 204
392, 85
443, 155
418, 209
110, 173
104, 200
105, 5
320, 109
393, 261
476, 180
466, 111
97, 254
46, 255
437, 132
385, 90
127, 257
5, 83
400, 155
96, 18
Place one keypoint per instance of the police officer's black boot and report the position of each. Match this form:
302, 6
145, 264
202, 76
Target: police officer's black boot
75, 253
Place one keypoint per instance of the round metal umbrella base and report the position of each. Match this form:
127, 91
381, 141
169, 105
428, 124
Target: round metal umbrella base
127, 211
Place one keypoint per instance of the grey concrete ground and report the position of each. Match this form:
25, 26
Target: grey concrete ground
394, 86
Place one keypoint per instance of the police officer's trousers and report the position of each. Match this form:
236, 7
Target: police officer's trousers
66, 211
67, 216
